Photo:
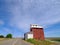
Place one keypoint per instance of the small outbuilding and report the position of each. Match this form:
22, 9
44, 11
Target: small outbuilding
28, 35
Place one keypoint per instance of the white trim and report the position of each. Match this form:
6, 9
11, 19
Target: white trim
35, 26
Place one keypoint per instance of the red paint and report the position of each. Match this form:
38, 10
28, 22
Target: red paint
38, 33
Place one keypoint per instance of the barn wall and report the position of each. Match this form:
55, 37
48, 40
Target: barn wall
38, 33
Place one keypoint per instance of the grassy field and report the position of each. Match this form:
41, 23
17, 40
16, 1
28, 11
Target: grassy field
2, 39
36, 42
54, 39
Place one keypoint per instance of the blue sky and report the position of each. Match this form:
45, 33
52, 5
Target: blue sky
17, 15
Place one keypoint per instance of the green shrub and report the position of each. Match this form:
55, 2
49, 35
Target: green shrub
39, 42
9, 36
33, 41
1, 36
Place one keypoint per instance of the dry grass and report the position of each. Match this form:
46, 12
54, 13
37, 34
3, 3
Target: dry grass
54, 39
2, 39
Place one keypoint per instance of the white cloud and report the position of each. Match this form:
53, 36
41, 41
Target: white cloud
7, 30
52, 33
1, 22
40, 12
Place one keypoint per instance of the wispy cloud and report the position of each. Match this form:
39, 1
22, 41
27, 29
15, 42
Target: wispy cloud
1, 22
53, 33
7, 30
26, 12
35, 12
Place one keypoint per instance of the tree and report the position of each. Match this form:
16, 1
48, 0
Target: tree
9, 36
1, 36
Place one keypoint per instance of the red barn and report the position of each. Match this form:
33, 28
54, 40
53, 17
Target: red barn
38, 32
